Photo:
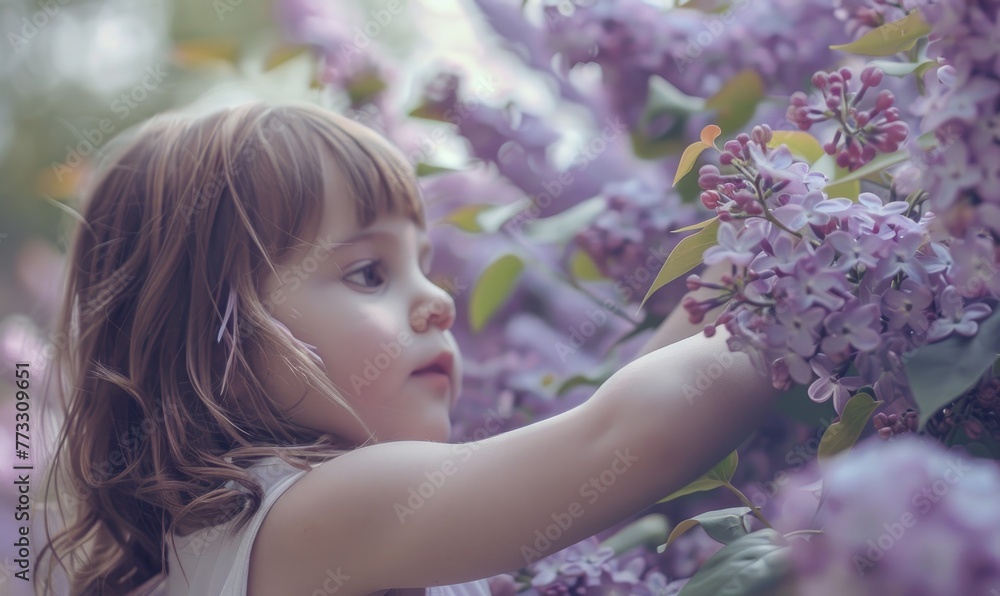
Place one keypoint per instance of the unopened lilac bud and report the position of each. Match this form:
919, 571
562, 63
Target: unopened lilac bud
871, 75
885, 432
693, 282
973, 428
709, 330
846, 73
879, 421
819, 80
884, 100
799, 99
710, 199
833, 102
762, 134
709, 177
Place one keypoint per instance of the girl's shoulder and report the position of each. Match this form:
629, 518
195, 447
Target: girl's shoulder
213, 560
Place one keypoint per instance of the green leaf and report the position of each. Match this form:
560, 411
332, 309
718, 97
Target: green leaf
663, 99
426, 169
283, 53
983, 445
697, 226
688, 190
795, 403
685, 257
480, 218
564, 225
843, 187
652, 321
691, 153
492, 289
902, 69
649, 531
582, 267
941, 371
724, 525
720, 475
802, 144
492, 220
751, 565
737, 101
365, 88
426, 112
842, 435
465, 217
198, 52
597, 379
890, 38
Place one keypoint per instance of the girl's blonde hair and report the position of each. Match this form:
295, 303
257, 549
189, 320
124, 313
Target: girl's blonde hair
179, 231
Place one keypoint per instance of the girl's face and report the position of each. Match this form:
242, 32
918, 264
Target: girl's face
361, 297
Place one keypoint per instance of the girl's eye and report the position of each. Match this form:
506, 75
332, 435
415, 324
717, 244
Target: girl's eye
366, 274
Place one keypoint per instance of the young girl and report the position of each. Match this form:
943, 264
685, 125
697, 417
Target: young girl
225, 432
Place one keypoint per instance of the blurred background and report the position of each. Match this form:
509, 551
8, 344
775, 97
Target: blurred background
496, 104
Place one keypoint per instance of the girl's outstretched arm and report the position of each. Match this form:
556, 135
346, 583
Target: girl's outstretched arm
677, 326
416, 514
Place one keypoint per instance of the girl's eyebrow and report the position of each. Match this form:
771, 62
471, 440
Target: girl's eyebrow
426, 248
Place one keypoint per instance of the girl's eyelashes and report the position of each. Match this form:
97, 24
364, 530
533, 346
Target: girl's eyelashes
364, 273
371, 275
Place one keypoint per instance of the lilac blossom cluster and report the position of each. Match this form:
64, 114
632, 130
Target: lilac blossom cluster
619, 240
861, 16
861, 134
589, 568
962, 109
827, 291
696, 51
904, 517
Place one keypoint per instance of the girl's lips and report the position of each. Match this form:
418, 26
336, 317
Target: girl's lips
435, 378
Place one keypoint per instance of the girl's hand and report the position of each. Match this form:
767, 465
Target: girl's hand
677, 326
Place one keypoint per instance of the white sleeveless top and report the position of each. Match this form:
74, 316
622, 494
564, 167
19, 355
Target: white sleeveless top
213, 563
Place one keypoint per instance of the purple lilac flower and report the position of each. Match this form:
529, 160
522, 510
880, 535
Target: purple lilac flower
861, 134
907, 306
904, 516
695, 51
961, 110
587, 567
818, 284
830, 384
861, 16
957, 317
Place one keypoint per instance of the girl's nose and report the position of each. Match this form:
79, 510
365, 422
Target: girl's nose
434, 308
